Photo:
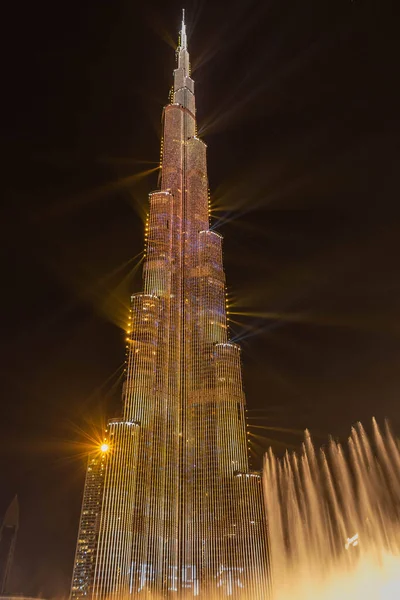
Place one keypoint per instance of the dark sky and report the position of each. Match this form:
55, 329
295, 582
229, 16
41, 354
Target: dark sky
298, 104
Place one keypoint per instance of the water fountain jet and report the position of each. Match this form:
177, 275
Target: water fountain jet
334, 519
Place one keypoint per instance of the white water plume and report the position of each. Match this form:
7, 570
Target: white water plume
334, 519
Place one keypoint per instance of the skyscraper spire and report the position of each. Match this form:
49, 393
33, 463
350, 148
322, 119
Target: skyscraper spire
180, 512
183, 31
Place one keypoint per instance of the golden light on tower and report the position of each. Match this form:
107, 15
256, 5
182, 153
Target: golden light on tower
180, 507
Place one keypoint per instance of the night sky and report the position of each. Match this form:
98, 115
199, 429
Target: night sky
298, 103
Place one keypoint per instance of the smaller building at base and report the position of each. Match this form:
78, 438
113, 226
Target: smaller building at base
8, 539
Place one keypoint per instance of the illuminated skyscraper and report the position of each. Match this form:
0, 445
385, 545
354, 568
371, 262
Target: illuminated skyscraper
86, 547
181, 514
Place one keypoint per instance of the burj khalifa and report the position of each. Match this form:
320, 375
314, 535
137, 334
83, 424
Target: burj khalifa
170, 505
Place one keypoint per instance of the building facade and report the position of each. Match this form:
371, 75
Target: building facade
181, 514
8, 539
89, 526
